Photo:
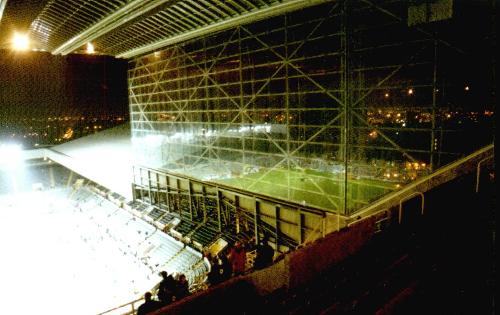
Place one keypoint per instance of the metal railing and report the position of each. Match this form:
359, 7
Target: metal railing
124, 309
417, 193
426, 183
478, 170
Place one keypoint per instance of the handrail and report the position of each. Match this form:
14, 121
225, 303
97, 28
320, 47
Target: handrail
394, 195
478, 170
131, 304
400, 212
422, 180
224, 187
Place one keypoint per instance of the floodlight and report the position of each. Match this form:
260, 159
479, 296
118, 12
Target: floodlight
20, 41
90, 48
10, 154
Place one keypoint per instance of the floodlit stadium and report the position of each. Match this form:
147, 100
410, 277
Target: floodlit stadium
62, 251
143, 137
79, 240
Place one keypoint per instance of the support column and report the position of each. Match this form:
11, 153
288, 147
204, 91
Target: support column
300, 223
433, 114
256, 220
236, 213
190, 200
219, 201
346, 99
167, 181
277, 225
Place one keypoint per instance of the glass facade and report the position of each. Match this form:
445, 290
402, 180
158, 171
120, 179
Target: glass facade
332, 106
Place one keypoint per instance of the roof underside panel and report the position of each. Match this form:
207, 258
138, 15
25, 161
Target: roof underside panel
127, 28
60, 20
179, 18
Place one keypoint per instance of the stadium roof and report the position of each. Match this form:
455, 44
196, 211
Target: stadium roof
104, 157
127, 28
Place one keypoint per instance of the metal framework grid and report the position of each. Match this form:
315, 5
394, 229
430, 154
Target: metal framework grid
222, 211
61, 20
177, 19
224, 104
284, 106
127, 28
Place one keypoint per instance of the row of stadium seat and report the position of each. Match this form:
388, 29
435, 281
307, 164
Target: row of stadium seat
135, 236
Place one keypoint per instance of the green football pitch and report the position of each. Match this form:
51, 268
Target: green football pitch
313, 188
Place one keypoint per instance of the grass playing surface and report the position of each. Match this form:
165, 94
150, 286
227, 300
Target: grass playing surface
319, 189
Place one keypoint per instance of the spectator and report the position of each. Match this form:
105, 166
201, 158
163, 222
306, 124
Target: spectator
250, 244
166, 288
238, 258
226, 268
215, 273
264, 254
182, 288
149, 305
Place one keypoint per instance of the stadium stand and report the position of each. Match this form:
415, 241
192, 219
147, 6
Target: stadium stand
129, 225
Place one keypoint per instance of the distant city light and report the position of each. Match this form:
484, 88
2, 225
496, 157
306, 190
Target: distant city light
386, 95
90, 48
68, 134
467, 88
410, 91
20, 42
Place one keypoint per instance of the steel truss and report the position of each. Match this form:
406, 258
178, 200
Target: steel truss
331, 107
227, 212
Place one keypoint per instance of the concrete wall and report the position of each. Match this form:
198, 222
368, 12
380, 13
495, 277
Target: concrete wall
291, 271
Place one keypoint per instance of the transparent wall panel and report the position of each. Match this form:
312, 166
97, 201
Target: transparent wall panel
332, 107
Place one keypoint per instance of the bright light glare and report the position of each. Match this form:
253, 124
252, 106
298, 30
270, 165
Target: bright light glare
20, 41
44, 239
10, 154
90, 48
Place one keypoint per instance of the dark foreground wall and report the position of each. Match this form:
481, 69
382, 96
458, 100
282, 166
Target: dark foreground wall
38, 84
247, 294
439, 263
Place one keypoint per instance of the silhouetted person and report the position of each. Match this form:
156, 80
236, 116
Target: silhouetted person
166, 288
149, 305
250, 244
214, 276
226, 269
238, 258
182, 288
264, 254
